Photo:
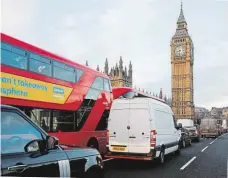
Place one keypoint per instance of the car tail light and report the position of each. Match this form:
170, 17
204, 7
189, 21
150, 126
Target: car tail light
153, 138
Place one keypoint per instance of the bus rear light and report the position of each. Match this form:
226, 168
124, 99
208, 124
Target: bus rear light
107, 137
153, 138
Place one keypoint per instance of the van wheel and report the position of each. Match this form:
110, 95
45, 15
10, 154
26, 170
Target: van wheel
183, 144
162, 157
178, 150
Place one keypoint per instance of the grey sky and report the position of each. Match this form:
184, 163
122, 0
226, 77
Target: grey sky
137, 30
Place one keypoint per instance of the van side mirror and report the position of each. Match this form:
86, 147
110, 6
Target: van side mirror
179, 126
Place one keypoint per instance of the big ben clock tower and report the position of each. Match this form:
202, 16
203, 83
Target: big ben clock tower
182, 60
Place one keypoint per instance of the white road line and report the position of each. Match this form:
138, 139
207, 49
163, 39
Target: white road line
204, 149
212, 142
189, 162
107, 159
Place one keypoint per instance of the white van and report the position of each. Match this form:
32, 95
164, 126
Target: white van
141, 129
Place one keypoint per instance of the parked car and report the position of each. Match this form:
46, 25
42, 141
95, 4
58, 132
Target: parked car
28, 151
141, 129
185, 138
194, 133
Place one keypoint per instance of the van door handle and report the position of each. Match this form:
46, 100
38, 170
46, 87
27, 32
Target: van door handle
19, 168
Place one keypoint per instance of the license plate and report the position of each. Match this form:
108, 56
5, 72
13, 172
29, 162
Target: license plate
118, 148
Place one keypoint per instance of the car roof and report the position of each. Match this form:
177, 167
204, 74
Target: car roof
8, 107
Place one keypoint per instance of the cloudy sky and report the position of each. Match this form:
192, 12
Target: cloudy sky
138, 30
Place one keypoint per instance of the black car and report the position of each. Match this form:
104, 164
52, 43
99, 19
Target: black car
28, 151
185, 138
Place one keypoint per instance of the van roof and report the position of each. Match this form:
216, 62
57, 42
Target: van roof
155, 103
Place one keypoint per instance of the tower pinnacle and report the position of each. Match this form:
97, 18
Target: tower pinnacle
106, 69
181, 18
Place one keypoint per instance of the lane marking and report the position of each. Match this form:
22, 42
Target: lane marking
189, 162
213, 141
108, 159
204, 149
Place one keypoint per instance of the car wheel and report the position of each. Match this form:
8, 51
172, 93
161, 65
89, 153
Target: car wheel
162, 157
190, 142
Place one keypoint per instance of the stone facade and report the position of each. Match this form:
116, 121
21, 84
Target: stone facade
119, 75
182, 60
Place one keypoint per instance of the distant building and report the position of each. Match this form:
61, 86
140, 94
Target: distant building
217, 112
119, 75
201, 112
225, 112
160, 95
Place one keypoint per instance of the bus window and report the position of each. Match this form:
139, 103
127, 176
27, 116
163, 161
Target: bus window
39, 64
14, 57
64, 72
82, 115
103, 123
79, 74
92, 94
98, 83
63, 121
107, 85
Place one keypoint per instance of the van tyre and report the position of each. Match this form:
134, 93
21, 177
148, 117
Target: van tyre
183, 144
178, 150
162, 157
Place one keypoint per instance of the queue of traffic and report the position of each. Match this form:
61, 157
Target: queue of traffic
52, 109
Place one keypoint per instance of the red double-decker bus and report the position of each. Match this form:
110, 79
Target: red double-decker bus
68, 100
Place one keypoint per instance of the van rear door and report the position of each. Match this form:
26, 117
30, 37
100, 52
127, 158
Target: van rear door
139, 132
118, 126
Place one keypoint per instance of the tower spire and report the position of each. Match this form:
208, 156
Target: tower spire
106, 69
181, 16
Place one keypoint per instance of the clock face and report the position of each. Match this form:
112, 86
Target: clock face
179, 51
